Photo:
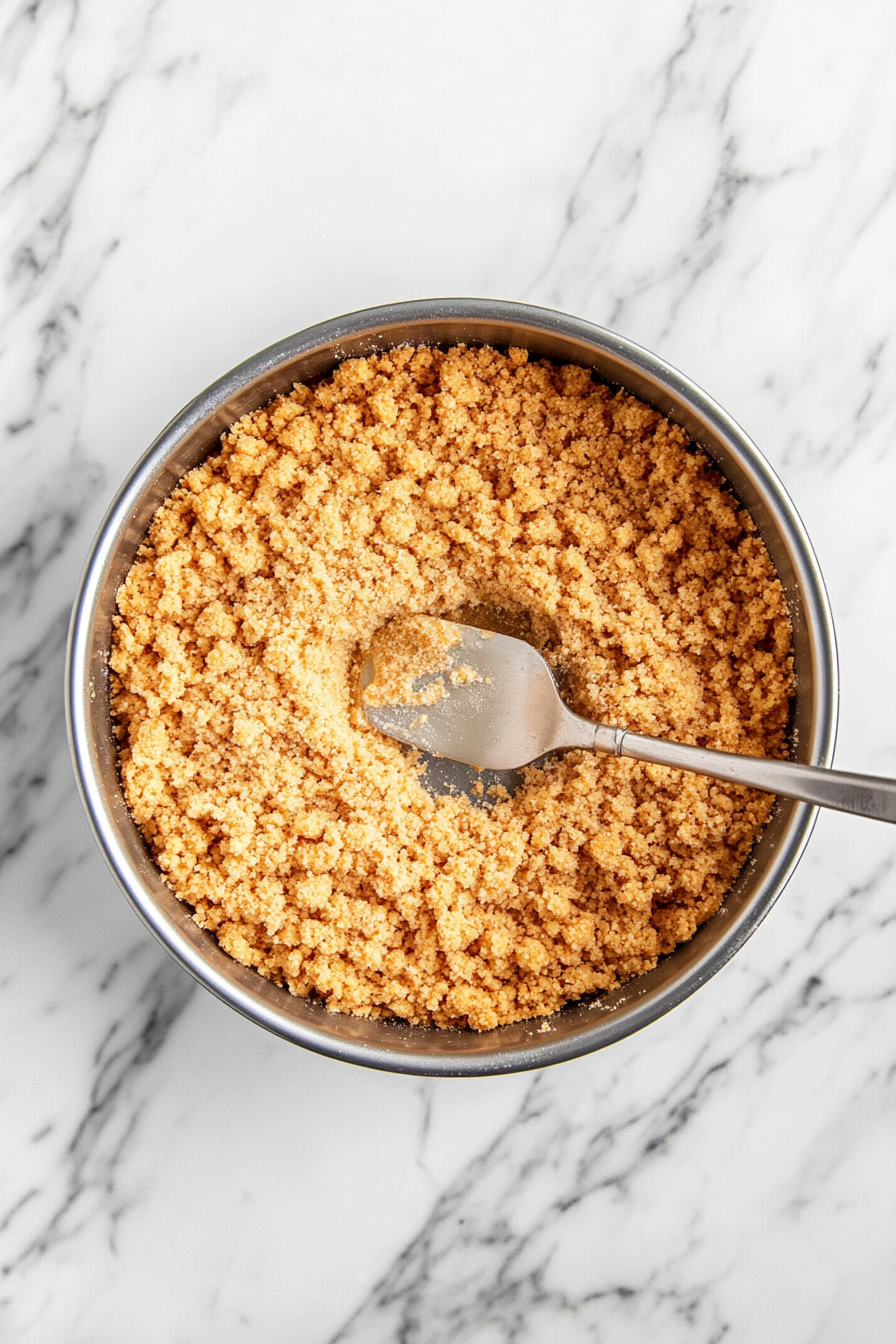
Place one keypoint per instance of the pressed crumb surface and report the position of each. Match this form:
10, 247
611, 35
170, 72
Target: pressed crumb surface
430, 482
405, 649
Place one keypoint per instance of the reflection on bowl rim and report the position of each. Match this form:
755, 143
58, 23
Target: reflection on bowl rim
582, 1026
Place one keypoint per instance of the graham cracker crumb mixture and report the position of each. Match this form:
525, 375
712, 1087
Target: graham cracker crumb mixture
405, 649
427, 482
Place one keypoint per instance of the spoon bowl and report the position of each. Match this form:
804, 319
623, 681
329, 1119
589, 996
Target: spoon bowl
505, 715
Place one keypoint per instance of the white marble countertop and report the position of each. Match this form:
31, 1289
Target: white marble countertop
185, 183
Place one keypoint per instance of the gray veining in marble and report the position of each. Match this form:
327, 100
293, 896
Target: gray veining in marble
183, 184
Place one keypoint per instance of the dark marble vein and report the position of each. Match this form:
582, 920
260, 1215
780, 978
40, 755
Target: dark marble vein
88, 1186
48, 181
32, 730
477, 1264
45, 535
713, 50
43, 346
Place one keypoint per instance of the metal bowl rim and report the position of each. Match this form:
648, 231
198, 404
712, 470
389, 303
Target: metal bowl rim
381, 319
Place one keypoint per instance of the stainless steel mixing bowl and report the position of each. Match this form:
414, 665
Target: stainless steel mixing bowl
580, 1027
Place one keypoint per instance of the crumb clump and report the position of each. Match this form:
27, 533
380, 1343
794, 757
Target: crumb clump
404, 650
430, 482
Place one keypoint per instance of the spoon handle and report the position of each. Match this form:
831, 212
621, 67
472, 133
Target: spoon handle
867, 795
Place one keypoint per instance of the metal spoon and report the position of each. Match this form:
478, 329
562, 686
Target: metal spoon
504, 712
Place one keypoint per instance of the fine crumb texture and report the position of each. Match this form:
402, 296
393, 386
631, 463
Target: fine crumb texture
405, 649
423, 482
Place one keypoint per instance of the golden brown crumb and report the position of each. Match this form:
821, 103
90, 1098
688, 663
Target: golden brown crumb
426, 482
405, 649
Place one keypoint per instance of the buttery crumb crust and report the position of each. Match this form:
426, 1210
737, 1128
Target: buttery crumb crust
404, 650
427, 482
